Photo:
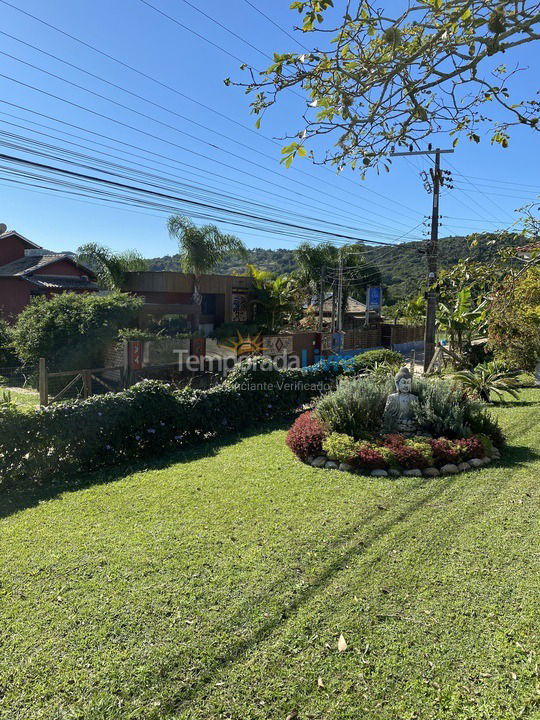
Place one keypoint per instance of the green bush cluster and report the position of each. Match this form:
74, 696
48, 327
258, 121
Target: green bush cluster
146, 419
356, 408
445, 408
340, 447
71, 330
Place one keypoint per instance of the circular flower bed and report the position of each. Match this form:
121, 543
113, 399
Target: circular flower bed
346, 431
392, 454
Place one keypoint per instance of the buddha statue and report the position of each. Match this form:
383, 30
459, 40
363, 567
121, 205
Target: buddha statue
399, 413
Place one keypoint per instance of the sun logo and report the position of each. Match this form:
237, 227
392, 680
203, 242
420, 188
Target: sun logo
246, 345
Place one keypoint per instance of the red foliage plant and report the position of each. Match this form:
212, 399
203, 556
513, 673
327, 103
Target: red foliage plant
306, 436
369, 458
446, 451
472, 448
406, 457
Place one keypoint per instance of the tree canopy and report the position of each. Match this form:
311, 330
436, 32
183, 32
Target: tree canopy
379, 77
110, 267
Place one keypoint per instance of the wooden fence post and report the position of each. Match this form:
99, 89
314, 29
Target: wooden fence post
87, 383
43, 383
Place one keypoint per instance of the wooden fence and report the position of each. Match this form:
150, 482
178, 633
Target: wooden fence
82, 383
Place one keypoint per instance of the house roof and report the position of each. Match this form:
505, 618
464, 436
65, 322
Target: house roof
528, 249
59, 282
10, 233
30, 263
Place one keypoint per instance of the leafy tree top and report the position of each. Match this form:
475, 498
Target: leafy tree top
382, 79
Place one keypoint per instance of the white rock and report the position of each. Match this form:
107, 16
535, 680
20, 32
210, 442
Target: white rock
486, 460
414, 472
379, 473
431, 472
319, 461
463, 466
331, 465
449, 469
345, 467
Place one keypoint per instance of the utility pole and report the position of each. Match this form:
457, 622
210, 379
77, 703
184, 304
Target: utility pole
322, 297
340, 293
438, 180
432, 255
333, 316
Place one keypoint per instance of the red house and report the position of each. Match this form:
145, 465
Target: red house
27, 270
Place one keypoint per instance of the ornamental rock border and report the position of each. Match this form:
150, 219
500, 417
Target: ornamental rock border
322, 462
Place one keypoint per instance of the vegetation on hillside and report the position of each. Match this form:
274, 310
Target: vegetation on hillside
403, 268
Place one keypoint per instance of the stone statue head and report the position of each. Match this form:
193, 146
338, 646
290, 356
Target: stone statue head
403, 380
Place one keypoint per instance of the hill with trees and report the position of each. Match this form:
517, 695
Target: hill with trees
403, 267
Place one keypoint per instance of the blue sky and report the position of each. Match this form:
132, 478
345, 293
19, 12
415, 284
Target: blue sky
203, 135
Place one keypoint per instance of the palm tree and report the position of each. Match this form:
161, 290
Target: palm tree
201, 249
110, 267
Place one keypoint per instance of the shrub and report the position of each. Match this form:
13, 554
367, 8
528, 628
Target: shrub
372, 358
7, 356
370, 456
514, 321
340, 447
445, 409
145, 420
409, 453
71, 330
489, 379
474, 447
445, 451
356, 408
306, 436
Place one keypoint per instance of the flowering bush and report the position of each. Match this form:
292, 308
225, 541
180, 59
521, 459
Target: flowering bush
306, 436
340, 447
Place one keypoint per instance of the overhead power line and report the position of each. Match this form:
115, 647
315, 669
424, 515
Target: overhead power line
260, 135
275, 24
149, 117
167, 196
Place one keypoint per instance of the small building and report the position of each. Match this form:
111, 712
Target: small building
28, 270
354, 311
225, 298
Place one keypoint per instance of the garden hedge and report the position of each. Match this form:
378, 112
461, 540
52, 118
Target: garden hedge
148, 419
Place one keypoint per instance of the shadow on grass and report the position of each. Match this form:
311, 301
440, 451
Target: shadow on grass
373, 533
517, 455
13, 500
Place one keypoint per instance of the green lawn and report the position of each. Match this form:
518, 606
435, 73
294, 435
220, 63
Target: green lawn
216, 584
24, 399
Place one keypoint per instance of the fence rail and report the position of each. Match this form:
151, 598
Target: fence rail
83, 383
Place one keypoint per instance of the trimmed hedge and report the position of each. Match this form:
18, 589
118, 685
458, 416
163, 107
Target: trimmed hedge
147, 419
